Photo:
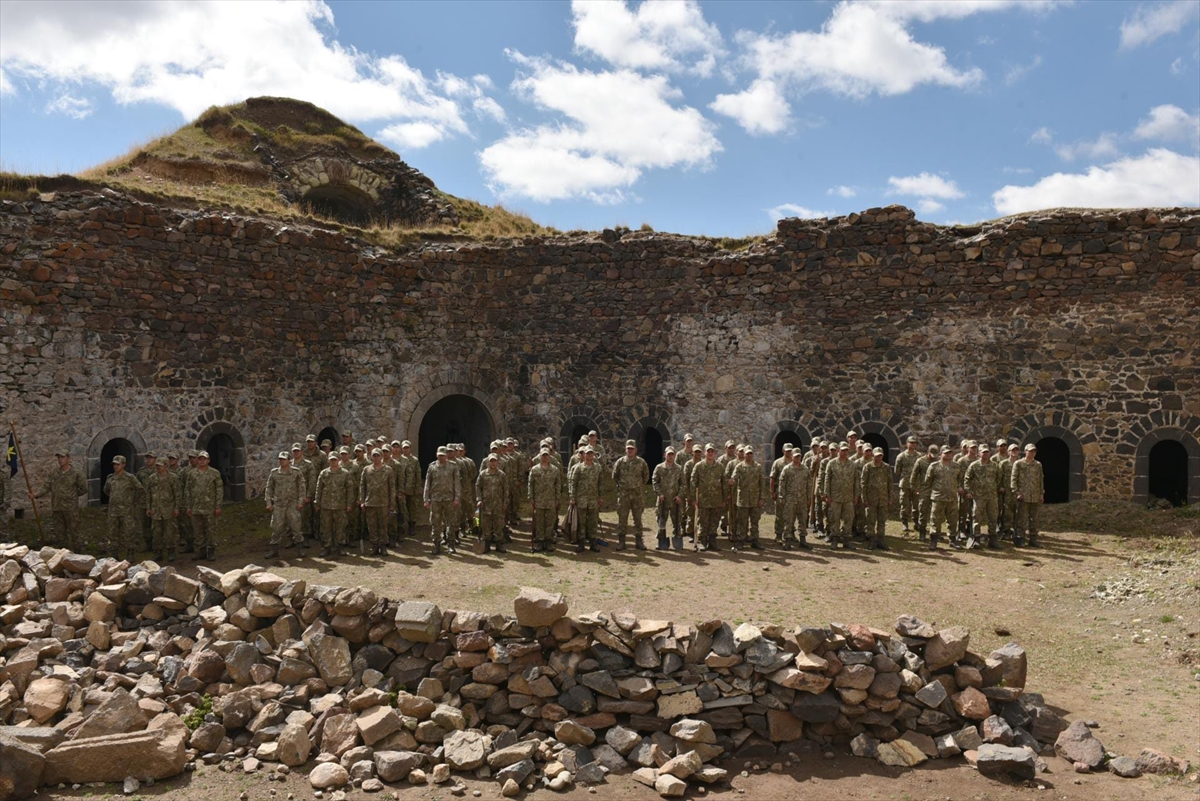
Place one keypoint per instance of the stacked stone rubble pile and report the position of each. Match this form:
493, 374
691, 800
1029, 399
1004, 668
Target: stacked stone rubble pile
111, 670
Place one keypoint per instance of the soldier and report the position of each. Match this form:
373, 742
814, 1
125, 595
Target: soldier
149, 461
942, 484
187, 532
314, 459
376, 500
307, 469
391, 455
593, 439
708, 493
583, 489
920, 494
1028, 485
545, 487
443, 496
727, 460
1014, 456
65, 487
685, 458
859, 457
839, 487
577, 456
1004, 467
326, 449
519, 481
630, 473
124, 501
776, 467
794, 494
750, 490
820, 508
875, 488
983, 489
689, 490
962, 461
284, 496
492, 491
905, 463
336, 493
668, 490
410, 487
470, 472
162, 507
347, 442
205, 493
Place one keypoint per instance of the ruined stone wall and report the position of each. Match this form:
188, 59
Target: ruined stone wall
119, 318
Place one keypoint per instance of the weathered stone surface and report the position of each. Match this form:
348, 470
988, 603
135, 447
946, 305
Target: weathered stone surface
900, 754
1151, 761
503, 757
465, 750
119, 713
328, 775
946, 647
332, 658
1077, 744
21, 768
972, 704
394, 766
536, 608
806, 681
693, 731
572, 733
783, 726
207, 737
418, 621
1011, 665
910, 626
1125, 767
45, 698
682, 766
669, 786
1000, 760
156, 753
679, 704
378, 722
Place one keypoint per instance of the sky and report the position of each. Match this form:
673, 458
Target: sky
713, 118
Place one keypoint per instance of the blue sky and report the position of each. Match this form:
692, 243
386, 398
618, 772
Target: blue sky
708, 118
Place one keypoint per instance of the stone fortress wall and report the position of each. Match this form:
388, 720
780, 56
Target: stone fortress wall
126, 325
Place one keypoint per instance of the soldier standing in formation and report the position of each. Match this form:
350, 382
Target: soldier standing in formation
668, 492
545, 497
375, 499
442, 498
909, 502
65, 487
335, 496
163, 497
709, 490
630, 474
795, 489
983, 490
284, 496
125, 494
583, 490
1028, 485
205, 492
942, 483
749, 488
492, 493
875, 486
839, 487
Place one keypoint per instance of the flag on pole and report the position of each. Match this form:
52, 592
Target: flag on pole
10, 455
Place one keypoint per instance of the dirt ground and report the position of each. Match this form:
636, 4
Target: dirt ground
1111, 623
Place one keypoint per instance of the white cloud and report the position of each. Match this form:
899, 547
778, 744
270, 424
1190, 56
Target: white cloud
1176, 68
473, 90
1150, 22
612, 127
929, 206
760, 109
1019, 72
779, 212
925, 185
1160, 177
931, 10
487, 107
659, 35
1042, 136
842, 191
412, 135
6, 88
1103, 147
1169, 122
78, 108
192, 55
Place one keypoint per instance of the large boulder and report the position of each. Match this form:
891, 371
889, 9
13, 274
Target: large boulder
1077, 744
332, 658
394, 766
159, 752
118, 714
995, 761
328, 775
418, 621
21, 768
294, 745
467, 749
536, 608
946, 647
45, 698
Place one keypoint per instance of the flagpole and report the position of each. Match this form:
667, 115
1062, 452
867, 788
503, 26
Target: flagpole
12, 429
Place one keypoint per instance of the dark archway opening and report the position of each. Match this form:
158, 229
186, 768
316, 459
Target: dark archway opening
878, 441
455, 418
652, 448
792, 438
330, 433
222, 457
1168, 472
340, 202
1055, 457
112, 449
577, 432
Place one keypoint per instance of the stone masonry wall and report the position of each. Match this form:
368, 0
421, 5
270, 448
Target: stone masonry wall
121, 318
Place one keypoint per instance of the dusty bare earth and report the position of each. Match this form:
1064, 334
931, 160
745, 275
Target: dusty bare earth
1111, 623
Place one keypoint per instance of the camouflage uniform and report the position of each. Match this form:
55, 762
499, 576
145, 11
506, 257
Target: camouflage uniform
470, 473
143, 476
411, 486
708, 492
689, 495
336, 492
794, 490
393, 522
124, 521
822, 505
205, 493
941, 483
630, 475
309, 471
750, 493
374, 493
492, 491
909, 502
442, 489
668, 485
859, 512
284, 492
583, 487
917, 486
875, 489
162, 505
962, 462
1028, 482
65, 489
354, 520
545, 489
776, 468
313, 466
840, 485
187, 532
1006, 507
983, 483
727, 463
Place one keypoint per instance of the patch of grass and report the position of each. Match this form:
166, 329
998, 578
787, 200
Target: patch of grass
1166, 619
195, 719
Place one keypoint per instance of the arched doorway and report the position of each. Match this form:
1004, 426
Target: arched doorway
227, 455
1055, 456
329, 433
118, 446
879, 441
787, 437
652, 448
1168, 472
455, 418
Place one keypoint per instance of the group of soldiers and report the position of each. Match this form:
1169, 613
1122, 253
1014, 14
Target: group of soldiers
374, 493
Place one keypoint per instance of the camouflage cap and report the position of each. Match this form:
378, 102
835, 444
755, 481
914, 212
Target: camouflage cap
284, 455
376, 452
1012, 446
946, 449
710, 447
202, 455
697, 449
118, 459
344, 450
852, 435
325, 442
333, 457
347, 435
933, 448
630, 443
588, 449
149, 455
311, 438
441, 451
985, 449
296, 446
1031, 447
492, 458
1001, 443
62, 452
911, 439
544, 452
583, 440
193, 453
405, 444
510, 441
845, 446
686, 437
593, 433
396, 444
741, 448
877, 452
730, 443
170, 456
669, 450
787, 446
360, 447
746, 449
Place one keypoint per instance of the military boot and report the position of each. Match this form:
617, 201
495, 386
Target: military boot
664, 544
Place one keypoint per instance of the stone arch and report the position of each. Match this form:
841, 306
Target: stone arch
574, 420
338, 188
652, 435
1158, 427
1032, 428
227, 455
892, 429
772, 425
95, 469
449, 384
